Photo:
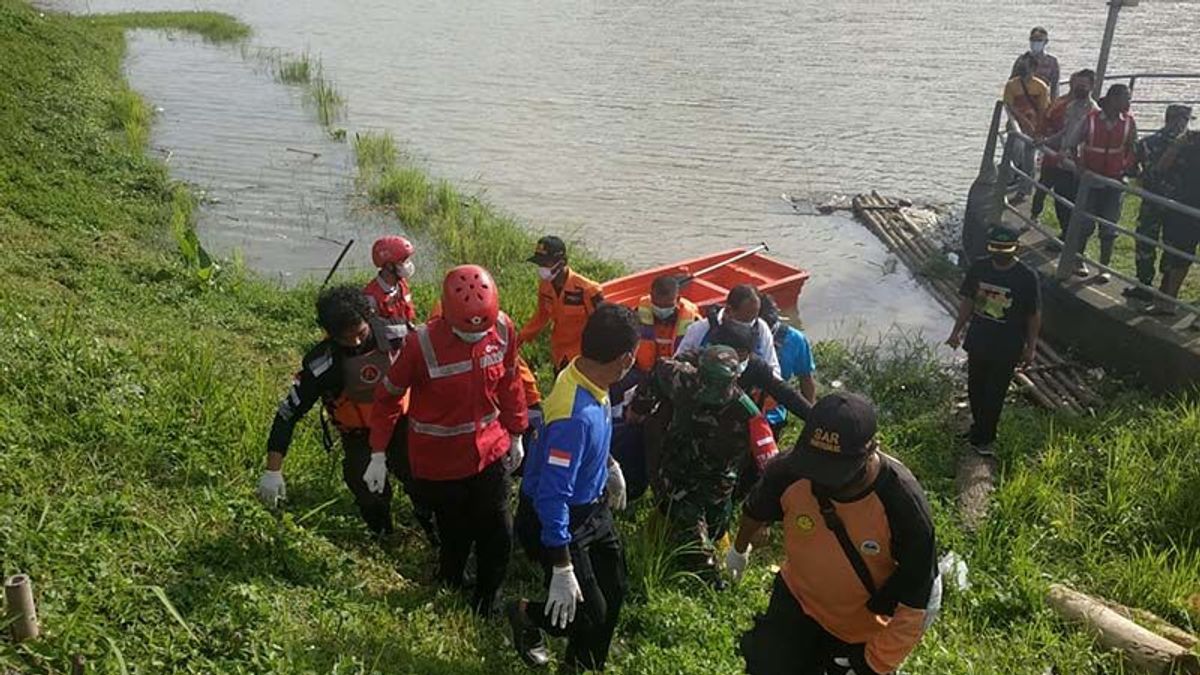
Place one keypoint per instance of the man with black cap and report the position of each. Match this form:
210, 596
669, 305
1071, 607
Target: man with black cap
1002, 305
1150, 151
564, 297
713, 425
859, 584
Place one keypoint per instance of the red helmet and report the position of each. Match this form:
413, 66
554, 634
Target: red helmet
470, 301
390, 249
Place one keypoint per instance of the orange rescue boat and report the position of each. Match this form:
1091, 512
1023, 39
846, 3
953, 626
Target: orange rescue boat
707, 280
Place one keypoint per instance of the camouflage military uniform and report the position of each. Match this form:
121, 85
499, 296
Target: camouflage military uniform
704, 446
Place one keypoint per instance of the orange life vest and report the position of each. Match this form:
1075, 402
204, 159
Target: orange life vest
660, 338
1105, 148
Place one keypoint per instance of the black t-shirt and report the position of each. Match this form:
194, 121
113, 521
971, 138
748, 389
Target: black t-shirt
1004, 302
1187, 170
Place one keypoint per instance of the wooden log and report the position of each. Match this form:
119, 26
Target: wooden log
1142, 649
1037, 394
1054, 391
974, 482
1155, 623
20, 608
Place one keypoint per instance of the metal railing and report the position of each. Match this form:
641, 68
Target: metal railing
1072, 249
1133, 78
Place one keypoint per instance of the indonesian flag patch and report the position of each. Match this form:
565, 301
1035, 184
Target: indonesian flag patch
559, 458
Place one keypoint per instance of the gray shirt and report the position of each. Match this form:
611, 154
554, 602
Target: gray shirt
1077, 113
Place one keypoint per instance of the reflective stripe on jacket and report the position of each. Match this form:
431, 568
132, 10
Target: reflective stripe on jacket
394, 307
465, 400
658, 339
1105, 149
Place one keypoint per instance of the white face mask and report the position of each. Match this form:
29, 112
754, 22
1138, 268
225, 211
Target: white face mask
662, 313
547, 273
406, 270
469, 338
743, 365
1037, 46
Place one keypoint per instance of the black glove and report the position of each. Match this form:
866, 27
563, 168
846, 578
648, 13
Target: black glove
858, 660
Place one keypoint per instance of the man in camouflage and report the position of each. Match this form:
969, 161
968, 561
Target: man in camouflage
713, 425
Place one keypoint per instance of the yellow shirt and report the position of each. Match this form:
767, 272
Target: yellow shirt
1029, 109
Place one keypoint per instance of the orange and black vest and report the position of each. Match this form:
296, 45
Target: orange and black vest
658, 339
350, 409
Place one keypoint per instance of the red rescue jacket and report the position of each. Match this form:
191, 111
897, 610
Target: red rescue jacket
394, 307
1105, 149
465, 400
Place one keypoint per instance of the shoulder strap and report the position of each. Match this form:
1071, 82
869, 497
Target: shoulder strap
834, 522
1028, 97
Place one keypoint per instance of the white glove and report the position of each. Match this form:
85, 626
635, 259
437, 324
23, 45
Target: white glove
516, 453
271, 488
615, 487
376, 474
736, 562
563, 597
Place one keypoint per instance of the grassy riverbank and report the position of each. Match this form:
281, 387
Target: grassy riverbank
135, 397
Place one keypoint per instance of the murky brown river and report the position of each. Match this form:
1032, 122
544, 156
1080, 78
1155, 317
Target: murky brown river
650, 131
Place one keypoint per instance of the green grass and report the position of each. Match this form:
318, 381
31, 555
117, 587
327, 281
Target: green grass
212, 26
136, 392
296, 69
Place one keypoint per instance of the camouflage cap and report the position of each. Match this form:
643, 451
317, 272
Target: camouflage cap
718, 372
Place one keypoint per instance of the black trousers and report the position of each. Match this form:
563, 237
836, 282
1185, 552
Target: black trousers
375, 507
988, 377
599, 562
1066, 185
399, 467
471, 512
786, 641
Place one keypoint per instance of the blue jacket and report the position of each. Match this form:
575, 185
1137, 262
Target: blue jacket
569, 464
795, 360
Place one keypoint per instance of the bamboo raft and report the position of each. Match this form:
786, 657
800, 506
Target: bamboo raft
1052, 381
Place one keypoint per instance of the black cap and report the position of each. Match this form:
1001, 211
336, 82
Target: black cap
550, 251
838, 439
1002, 239
736, 335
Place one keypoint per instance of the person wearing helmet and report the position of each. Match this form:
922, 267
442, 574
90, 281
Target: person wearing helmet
565, 298
388, 292
713, 425
859, 583
341, 372
465, 419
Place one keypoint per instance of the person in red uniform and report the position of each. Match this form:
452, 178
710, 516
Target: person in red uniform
341, 371
565, 298
465, 419
1107, 145
388, 292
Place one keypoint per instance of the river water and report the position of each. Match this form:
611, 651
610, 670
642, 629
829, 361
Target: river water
649, 131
